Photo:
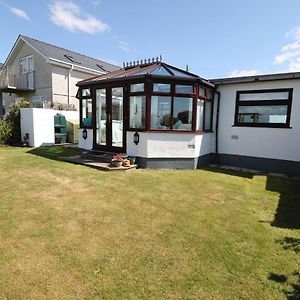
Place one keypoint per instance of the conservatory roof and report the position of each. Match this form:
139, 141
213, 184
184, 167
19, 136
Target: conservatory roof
154, 69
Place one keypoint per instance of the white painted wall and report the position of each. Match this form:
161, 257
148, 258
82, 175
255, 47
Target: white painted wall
274, 143
39, 123
169, 145
88, 143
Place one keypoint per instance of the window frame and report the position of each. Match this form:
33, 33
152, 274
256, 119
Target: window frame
287, 102
91, 96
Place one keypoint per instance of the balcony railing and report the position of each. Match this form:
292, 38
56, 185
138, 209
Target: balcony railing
10, 78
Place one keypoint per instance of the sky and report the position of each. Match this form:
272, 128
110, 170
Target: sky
221, 38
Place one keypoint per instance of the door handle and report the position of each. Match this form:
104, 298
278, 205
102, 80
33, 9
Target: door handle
109, 118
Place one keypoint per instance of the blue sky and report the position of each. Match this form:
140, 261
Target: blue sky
216, 39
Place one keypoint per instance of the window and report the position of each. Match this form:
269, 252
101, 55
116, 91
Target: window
186, 89
86, 112
182, 113
136, 88
264, 108
160, 112
137, 112
161, 87
204, 109
26, 64
200, 109
86, 92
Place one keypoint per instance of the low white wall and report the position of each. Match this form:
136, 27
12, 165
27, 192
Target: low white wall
39, 123
274, 143
169, 145
87, 143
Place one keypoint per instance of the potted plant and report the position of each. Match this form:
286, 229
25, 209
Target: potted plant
117, 160
131, 160
25, 142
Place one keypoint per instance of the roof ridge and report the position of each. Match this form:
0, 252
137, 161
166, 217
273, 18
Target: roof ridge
24, 36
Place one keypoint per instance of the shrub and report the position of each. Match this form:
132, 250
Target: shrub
10, 128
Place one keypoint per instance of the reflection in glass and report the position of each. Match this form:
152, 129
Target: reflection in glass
263, 114
161, 87
160, 112
208, 115
86, 92
138, 87
87, 112
182, 113
101, 117
137, 112
200, 106
117, 117
180, 88
265, 96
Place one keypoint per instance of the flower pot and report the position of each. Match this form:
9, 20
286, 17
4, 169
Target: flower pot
116, 163
126, 163
132, 160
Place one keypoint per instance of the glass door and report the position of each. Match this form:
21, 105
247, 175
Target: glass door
110, 119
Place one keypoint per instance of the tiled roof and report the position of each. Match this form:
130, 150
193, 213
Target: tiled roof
69, 56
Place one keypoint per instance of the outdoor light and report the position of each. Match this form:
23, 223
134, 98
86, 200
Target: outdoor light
84, 134
136, 138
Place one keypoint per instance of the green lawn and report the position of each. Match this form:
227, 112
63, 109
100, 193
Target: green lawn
70, 232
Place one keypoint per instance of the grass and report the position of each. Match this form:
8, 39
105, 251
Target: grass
70, 232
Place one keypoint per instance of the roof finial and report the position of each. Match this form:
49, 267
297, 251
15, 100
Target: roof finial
187, 67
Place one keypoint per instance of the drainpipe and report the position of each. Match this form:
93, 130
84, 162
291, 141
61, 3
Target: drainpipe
69, 84
217, 127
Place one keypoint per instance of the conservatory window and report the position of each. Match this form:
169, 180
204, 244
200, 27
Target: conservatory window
86, 112
182, 88
162, 87
200, 109
137, 87
86, 92
137, 112
160, 112
182, 113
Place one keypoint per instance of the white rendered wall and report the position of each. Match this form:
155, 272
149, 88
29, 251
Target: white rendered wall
39, 123
88, 143
274, 143
169, 145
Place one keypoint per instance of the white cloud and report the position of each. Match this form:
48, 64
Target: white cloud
20, 13
124, 46
290, 53
16, 11
240, 73
68, 15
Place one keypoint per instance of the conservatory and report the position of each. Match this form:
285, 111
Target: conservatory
151, 110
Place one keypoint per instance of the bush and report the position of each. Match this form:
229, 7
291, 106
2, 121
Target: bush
10, 128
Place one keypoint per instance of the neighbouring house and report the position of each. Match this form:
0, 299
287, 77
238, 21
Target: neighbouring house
45, 75
170, 118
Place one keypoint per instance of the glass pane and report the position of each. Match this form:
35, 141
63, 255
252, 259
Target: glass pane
137, 112
161, 87
182, 113
160, 112
117, 117
160, 71
208, 115
184, 89
138, 87
179, 73
200, 106
209, 94
202, 92
86, 92
101, 116
87, 112
263, 114
265, 96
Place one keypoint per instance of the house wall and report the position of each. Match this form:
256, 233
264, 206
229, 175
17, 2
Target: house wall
42, 75
39, 123
87, 143
274, 145
61, 87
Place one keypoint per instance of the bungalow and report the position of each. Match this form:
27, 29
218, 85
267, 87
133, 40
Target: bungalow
171, 118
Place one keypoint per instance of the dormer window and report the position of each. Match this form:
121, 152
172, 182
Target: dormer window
72, 59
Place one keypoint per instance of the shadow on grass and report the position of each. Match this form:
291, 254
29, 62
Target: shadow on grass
58, 152
231, 172
287, 214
